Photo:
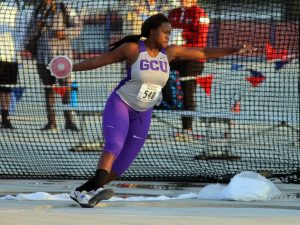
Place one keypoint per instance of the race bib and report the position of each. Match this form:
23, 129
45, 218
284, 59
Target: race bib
149, 92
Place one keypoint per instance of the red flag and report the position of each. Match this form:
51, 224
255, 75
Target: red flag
255, 81
205, 83
274, 54
61, 90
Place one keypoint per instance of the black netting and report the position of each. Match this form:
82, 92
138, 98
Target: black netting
246, 106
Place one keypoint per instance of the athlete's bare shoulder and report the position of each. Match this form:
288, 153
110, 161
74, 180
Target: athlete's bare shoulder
130, 47
131, 50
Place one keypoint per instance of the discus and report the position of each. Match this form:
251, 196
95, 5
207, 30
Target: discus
60, 67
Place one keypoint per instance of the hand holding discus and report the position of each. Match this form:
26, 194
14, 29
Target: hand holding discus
60, 67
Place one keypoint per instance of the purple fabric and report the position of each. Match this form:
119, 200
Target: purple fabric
125, 131
142, 46
127, 78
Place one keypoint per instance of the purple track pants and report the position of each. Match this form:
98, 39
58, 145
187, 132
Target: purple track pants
125, 131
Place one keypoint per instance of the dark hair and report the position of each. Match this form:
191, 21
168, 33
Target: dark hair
66, 15
150, 23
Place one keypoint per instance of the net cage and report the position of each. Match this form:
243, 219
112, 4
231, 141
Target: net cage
218, 117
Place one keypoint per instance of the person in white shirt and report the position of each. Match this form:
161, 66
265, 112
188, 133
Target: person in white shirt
12, 38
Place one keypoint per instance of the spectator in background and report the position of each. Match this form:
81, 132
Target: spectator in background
58, 24
190, 25
138, 11
12, 33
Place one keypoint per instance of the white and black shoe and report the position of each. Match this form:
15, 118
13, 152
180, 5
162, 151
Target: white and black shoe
99, 195
81, 199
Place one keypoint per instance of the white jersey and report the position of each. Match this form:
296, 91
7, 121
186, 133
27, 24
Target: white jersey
8, 13
141, 88
13, 30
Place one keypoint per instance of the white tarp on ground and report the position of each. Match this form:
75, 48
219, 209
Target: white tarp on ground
246, 186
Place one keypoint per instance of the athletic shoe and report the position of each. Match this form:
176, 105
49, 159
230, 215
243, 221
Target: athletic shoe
99, 195
6, 124
80, 198
72, 127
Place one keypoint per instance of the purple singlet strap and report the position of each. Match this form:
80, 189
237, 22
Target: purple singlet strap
142, 46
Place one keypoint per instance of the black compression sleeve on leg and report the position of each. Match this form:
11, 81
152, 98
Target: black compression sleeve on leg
87, 186
5, 114
100, 178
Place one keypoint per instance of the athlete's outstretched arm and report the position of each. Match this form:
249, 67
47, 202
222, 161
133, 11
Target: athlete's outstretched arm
185, 53
117, 55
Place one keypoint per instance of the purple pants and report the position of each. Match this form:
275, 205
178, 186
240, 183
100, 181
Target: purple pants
125, 131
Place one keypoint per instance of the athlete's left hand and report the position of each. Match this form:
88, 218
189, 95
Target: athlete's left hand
247, 48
